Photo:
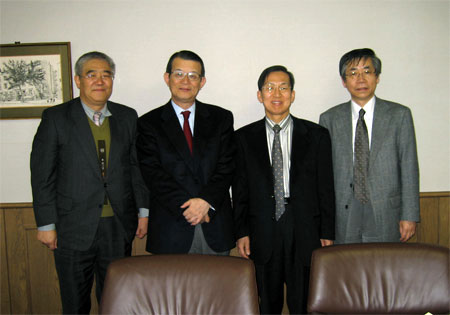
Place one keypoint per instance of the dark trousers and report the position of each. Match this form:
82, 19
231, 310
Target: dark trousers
76, 269
281, 269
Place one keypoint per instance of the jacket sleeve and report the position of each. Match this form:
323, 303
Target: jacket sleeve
140, 191
409, 169
240, 192
325, 187
43, 163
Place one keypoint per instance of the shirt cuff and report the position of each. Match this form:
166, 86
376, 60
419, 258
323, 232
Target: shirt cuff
48, 227
143, 213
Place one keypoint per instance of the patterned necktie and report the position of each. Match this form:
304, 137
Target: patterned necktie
277, 168
361, 163
97, 116
187, 129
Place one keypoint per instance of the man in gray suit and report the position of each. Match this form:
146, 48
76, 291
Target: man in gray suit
375, 164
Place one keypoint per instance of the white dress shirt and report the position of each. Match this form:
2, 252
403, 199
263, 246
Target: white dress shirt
178, 111
286, 144
368, 118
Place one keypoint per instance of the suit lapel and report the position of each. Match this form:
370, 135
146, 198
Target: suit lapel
299, 147
84, 135
260, 147
345, 125
172, 128
380, 127
202, 130
115, 122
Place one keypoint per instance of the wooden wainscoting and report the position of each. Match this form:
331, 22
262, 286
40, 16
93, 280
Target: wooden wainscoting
29, 282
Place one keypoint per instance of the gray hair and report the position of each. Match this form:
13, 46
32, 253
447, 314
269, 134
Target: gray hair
93, 55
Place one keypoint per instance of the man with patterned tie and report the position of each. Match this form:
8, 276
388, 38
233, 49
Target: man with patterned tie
186, 152
375, 164
86, 182
283, 194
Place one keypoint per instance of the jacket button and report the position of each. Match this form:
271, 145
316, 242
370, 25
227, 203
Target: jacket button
105, 185
100, 206
351, 185
346, 206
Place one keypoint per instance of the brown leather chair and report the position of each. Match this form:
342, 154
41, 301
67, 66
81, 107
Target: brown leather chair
380, 278
180, 284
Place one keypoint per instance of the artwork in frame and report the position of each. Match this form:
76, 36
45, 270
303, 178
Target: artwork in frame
34, 76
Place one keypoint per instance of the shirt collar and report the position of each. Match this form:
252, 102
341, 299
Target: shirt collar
368, 108
178, 110
90, 112
283, 124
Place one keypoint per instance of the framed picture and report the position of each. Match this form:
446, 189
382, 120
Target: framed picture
33, 77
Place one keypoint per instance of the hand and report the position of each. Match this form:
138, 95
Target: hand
142, 227
324, 242
243, 246
196, 210
407, 230
205, 219
48, 238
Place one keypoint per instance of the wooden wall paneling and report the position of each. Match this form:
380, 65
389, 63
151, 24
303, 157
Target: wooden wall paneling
42, 272
17, 262
444, 221
29, 279
5, 297
429, 221
139, 247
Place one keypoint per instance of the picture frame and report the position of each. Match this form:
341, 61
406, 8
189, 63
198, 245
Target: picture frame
33, 77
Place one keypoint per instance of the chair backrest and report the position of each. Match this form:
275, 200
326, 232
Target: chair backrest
380, 278
180, 284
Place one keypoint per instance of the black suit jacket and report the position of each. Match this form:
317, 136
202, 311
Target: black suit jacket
67, 185
173, 176
311, 189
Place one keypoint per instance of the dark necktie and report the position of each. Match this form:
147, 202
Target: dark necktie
187, 129
277, 168
361, 163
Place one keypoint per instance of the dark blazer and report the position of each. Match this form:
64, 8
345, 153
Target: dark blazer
68, 188
173, 176
311, 189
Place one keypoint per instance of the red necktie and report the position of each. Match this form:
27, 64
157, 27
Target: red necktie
187, 129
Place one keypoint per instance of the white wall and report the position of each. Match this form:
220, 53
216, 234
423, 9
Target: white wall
237, 39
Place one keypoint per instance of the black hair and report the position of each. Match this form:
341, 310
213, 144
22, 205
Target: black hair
186, 55
277, 68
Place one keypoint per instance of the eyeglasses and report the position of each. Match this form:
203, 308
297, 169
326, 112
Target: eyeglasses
94, 76
192, 76
355, 74
282, 88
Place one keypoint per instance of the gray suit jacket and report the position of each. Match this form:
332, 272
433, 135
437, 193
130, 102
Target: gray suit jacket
393, 167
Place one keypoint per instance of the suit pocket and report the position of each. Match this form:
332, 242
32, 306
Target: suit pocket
395, 202
64, 204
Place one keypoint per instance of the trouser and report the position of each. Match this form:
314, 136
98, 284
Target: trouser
76, 269
361, 226
199, 245
281, 269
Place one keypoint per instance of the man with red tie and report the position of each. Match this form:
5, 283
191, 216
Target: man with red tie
185, 152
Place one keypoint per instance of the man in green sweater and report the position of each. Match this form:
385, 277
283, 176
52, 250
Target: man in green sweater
86, 183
